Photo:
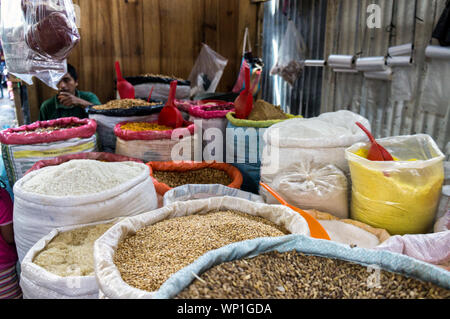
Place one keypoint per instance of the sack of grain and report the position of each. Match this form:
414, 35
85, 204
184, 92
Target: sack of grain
78, 192
60, 265
343, 272
244, 145
144, 83
195, 191
211, 117
116, 111
309, 186
167, 175
183, 106
27, 144
156, 144
178, 241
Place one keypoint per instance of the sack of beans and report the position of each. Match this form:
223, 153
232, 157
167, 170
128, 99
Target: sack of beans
61, 264
184, 106
300, 267
211, 117
78, 192
135, 256
244, 141
149, 141
197, 191
116, 111
25, 145
160, 83
167, 175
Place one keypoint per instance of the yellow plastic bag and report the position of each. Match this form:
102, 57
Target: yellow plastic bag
400, 196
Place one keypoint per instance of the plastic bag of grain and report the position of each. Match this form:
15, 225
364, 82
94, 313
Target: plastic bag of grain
373, 261
196, 191
310, 186
75, 193
111, 284
27, 144
153, 145
60, 265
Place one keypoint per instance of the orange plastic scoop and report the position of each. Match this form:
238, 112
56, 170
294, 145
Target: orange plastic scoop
315, 228
376, 151
170, 115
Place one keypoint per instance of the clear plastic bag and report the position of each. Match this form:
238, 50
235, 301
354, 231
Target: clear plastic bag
291, 57
207, 71
37, 37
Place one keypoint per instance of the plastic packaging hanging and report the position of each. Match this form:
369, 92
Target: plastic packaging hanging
37, 37
291, 56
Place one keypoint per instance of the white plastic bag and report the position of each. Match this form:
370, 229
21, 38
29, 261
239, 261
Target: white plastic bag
291, 56
310, 186
207, 71
110, 282
37, 37
35, 215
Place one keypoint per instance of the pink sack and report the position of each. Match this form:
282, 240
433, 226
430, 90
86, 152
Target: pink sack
212, 110
186, 130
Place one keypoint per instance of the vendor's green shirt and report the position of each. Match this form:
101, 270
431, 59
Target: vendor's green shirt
52, 109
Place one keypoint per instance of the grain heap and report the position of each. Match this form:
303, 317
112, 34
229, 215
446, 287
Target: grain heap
162, 76
124, 104
81, 177
264, 111
148, 258
144, 126
200, 176
71, 253
49, 129
293, 275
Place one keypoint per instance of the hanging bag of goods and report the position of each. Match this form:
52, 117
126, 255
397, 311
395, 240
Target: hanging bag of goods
212, 118
116, 111
28, 144
244, 141
135, 256
149, 141
78, 192
402, 195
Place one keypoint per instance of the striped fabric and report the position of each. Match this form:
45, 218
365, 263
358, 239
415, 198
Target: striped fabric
9, 284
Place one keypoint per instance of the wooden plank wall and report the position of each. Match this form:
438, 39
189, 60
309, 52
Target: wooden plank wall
154, 36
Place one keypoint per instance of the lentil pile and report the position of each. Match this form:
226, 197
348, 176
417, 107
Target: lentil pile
293, 275
144, 126
49, 129
199, 176
124, 104
71, 253
148, 258
264, 111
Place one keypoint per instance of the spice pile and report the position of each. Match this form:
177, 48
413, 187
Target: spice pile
293, 275
265, 111
71, 253
124, 104
49, 129
199, 176
144, 126
148, 258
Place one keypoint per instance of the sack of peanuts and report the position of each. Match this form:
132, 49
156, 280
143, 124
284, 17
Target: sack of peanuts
116, 111
175, 235
210, 116
149, 141
61, 264
196, 191
291, 267
77, 192
25, 145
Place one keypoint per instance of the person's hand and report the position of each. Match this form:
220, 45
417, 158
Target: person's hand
68, 99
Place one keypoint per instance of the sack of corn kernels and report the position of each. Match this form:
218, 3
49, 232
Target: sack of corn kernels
175, 235
149, 141
78, 192
25, 145
60, 265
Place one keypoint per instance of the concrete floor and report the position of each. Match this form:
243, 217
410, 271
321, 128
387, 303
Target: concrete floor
7, 111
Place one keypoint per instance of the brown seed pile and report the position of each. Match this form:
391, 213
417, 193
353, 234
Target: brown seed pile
293, 275
161, 76
148, 258
264, 111
49, 129
199, 176
124, 104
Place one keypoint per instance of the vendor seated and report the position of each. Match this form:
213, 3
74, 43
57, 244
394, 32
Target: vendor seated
69, 101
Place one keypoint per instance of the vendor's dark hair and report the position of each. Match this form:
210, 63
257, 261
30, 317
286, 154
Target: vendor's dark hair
71, 70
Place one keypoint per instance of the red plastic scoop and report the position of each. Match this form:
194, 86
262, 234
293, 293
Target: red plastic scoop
376, 151
150, 95
244, 102
170, 115
125, 88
